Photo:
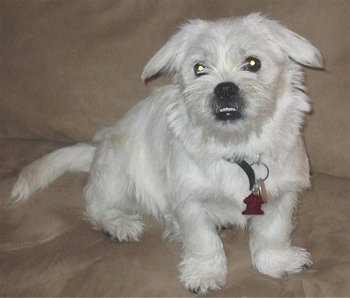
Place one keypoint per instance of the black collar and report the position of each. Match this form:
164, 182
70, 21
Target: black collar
246, 167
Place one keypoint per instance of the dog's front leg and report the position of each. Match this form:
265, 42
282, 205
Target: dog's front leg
270, 242
203, 265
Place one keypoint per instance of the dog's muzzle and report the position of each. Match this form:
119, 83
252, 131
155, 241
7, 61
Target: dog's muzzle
227, 103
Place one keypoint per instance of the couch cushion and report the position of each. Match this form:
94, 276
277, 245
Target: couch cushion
48, 249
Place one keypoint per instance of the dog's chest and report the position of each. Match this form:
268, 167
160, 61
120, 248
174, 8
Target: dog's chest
230, 182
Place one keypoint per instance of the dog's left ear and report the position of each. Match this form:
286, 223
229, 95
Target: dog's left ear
301, 50
171, 56
295, 46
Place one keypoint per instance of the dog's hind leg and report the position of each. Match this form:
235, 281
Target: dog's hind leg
109, 203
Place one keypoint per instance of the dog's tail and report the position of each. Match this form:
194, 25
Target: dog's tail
45, 170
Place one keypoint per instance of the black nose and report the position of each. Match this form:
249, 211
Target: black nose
226, 90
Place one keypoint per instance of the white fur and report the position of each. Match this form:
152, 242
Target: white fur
166, 156
43, 171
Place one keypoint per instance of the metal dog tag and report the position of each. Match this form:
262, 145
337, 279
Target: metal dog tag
262, 190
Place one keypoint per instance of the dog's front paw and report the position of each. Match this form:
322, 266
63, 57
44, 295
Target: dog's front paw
280, 263
202, 276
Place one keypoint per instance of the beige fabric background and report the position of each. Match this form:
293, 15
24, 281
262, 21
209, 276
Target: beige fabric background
71, 67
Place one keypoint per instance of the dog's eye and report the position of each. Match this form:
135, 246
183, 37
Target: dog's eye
200, 70
252, 64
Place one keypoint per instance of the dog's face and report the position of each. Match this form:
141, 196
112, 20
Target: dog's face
232, 72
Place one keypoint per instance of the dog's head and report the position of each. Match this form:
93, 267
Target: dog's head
231, 72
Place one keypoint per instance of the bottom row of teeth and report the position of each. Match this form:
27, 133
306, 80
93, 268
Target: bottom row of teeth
228, 110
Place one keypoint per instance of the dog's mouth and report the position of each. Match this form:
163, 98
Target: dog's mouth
228, 113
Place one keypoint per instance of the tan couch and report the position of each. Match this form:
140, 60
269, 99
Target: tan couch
68, 68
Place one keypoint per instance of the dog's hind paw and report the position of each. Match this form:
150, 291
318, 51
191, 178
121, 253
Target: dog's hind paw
119, 225
126, 228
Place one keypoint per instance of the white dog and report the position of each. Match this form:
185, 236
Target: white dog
192, 151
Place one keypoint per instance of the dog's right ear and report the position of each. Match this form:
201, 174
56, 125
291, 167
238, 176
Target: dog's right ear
299, 49
169, 58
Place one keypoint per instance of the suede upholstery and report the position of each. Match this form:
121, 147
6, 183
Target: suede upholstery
69, 68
